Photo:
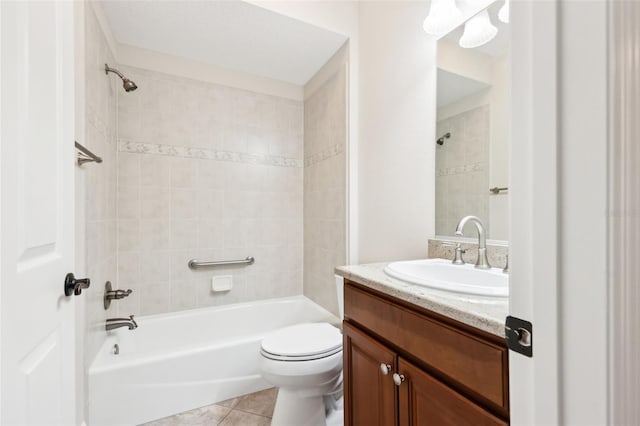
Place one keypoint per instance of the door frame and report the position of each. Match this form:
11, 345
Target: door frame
624, 295
559, 232
533, 182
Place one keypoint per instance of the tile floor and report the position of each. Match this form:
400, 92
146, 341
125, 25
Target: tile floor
254, 409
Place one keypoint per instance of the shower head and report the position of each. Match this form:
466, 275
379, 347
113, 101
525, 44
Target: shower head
128, 85
441, 140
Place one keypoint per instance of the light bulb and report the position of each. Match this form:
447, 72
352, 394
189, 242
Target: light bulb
503, 13
443, 15
478, 31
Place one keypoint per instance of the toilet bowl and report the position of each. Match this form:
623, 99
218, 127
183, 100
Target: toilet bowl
305, 362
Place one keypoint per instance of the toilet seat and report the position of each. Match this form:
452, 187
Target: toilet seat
302, 342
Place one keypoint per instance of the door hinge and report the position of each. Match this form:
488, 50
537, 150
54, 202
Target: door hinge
519, 335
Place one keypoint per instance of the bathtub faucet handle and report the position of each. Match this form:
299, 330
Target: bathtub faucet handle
110, 294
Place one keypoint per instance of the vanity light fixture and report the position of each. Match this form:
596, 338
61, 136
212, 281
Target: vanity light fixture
478, 31
443, 15
503, 13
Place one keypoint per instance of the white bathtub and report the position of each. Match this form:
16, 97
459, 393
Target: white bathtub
180, 361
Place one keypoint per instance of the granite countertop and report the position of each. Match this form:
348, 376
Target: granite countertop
485, 313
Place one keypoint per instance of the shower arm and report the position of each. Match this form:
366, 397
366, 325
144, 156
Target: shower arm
108, 69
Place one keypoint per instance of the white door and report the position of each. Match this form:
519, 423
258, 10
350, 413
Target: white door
36, 213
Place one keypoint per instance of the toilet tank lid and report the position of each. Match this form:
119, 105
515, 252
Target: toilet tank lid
303, 339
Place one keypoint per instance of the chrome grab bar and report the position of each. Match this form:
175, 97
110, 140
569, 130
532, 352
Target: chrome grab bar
86, 156
194, 264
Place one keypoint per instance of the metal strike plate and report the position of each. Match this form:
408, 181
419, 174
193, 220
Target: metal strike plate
519, 335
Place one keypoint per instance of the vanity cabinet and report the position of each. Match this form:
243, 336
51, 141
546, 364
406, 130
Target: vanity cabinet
405, 365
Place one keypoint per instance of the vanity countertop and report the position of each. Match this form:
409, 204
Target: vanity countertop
485, 313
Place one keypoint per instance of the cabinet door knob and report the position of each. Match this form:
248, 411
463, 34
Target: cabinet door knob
385, 368
398, 378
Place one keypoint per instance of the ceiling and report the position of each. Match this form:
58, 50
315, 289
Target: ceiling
231, 34
453, 87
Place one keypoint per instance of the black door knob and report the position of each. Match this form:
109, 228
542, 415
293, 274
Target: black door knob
73, 285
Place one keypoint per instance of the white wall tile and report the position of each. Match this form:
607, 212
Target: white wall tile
100, 196
155, 266
155, 298
208, 209
155, 171
155, 202
462, 167
324, 238
154, 234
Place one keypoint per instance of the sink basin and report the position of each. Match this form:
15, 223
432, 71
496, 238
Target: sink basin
444, 275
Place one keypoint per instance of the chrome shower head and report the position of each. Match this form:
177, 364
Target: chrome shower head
128, 85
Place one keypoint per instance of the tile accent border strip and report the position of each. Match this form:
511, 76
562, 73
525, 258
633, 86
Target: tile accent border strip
458, 170
326, 153
206, 154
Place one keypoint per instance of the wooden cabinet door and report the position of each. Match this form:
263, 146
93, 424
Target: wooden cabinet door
424, 401
370, 395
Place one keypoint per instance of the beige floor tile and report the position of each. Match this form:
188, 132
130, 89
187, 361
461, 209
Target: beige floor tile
240, 418
204, 416
230, 402
261, 403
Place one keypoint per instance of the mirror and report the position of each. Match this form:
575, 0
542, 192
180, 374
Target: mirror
472, 133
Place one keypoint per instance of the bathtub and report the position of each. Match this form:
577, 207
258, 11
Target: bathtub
180, 361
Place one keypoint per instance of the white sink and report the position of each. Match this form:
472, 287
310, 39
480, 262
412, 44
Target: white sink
443, 275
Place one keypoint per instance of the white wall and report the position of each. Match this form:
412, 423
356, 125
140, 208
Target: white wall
391, 116
397, 130
341, 17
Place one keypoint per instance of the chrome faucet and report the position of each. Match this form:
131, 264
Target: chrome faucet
113, 323
482, 262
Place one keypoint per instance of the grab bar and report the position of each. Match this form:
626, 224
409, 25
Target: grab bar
86, 156
496, 190
194, 264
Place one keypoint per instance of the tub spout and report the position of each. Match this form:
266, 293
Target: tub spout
113, 323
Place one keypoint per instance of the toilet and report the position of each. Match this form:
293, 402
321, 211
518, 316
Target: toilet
305, 362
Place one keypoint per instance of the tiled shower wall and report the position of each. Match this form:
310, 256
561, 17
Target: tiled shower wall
325, 137
100, 179
462, 170
212, 173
